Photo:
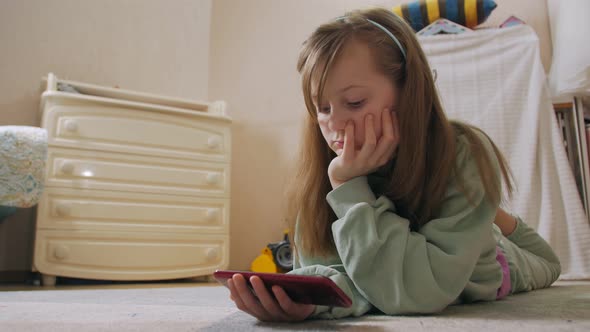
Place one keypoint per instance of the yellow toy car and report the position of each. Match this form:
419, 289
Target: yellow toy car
275, 257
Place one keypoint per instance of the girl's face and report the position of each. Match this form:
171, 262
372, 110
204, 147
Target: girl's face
353, 89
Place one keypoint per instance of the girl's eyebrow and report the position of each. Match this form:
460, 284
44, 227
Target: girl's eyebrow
352, 86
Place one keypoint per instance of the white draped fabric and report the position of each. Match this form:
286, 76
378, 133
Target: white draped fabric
570, 34
494, 79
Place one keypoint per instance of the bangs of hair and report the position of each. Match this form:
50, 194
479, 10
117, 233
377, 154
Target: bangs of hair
314, 66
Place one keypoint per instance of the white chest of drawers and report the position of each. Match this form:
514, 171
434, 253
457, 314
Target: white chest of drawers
137, 186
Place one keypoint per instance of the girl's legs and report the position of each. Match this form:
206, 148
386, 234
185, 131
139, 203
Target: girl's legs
505, 221
532, 262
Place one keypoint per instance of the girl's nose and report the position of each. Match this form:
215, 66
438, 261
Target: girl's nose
337, 120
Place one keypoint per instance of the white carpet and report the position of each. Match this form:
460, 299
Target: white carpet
564, 307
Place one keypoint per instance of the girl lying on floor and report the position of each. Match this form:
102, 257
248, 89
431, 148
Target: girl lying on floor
395, 203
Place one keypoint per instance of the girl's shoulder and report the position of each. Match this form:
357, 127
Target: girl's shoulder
477, 166
466, 184
472, 143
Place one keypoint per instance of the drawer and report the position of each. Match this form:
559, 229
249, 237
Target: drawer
102, 210
71, 168
128, 255
138, 131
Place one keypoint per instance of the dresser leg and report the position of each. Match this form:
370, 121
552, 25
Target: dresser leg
48, 280
206, 278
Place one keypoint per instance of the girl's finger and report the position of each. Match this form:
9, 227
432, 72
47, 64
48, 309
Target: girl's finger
235, 296
387, 123
370, 139
296, 311
267, 300
395, 126
250, 301
385, 148
348, 149
393, 146
284, 300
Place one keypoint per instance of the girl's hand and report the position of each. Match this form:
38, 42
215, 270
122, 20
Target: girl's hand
350, 163
263, 305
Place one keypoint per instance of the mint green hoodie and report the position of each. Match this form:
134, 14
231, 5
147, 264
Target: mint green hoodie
383, 265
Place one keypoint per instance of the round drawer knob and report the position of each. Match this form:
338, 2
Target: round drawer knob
67, 168
212, 178
213, 142
212, 214
71, 126
212, 254
62, 210
61, 252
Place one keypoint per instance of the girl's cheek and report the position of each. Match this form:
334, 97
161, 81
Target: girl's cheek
323, 124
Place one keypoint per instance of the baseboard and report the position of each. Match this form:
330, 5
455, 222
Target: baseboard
16, 276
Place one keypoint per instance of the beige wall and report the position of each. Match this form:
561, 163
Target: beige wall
241, 51
254, 45
147, 45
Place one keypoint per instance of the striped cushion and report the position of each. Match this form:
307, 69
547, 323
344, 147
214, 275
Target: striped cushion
469, 13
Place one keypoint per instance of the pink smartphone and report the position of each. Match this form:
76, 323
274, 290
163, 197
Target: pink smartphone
303, 289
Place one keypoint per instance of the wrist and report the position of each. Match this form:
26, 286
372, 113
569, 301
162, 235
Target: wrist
336, 184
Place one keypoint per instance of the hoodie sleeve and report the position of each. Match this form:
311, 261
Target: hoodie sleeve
396, 270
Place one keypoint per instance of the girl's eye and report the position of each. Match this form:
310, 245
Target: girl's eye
324, 109
356, 104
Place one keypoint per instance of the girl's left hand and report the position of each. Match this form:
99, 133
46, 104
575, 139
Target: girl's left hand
371, 156
263, 305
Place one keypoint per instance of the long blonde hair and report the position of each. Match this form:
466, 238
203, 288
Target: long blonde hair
425, 160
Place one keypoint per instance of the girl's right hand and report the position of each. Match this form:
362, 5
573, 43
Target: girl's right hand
267, 307
371, 156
